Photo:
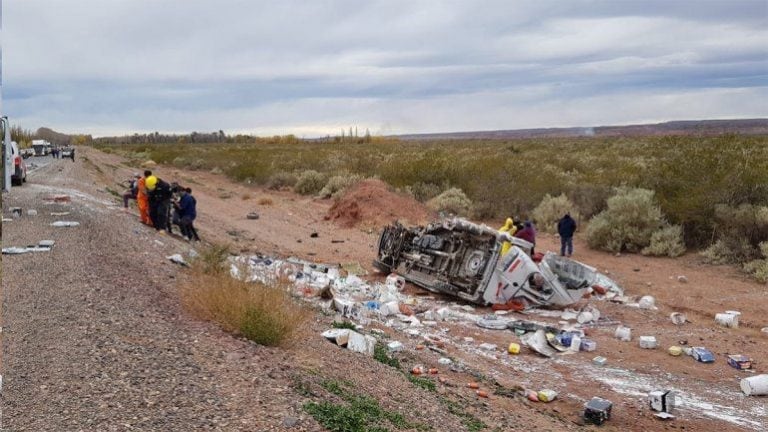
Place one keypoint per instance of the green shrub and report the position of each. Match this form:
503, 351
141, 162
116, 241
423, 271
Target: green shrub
628, 223
452, 201
280, 180
337, 185
590, 199
551, 210
667, 241
424, 192
310, 182
759, 268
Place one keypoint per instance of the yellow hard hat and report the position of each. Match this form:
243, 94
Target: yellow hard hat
151, 182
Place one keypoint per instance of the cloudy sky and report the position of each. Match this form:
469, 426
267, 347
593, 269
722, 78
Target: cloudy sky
313, 67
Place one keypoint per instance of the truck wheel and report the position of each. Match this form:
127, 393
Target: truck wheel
380, 266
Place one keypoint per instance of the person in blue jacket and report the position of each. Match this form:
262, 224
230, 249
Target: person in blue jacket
566, 227
188, 212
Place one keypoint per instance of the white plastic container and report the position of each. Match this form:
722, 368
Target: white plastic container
755, 386
648, 342
728, 319
575, 343
623, 333
647, 302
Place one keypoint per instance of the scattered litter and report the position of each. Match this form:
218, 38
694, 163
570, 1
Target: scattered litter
473, 385
482, 393
532, 396
740, 362
600, 360
675, 350
648, 342
678, 318
546, 395
351, 339
702, 355
178, 259
755, 386
764, 330
588, 345
65, 224
492, 322
59, 213
575, 343
682, 279
445, 361
361, 343
728, 319
395, 346
664, 416
537, 341
513, 348
41, 246
661, 400
623, 334
647, 302
597, 411
15, 212
488, 346
31, 212
252, 216
7, 220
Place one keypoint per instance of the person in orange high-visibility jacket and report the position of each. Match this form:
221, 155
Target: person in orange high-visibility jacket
142, 199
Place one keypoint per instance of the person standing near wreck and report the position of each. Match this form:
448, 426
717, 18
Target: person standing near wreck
566, 227
159, 201
528, 233
142, 198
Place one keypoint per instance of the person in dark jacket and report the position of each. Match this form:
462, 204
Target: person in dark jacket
528, 233
187, 206
566, 227
159, 192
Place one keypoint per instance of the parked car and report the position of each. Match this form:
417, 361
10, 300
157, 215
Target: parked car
27, 152
66, 152
19, 173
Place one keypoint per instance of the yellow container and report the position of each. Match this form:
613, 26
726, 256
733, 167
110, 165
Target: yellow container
514, 348
675, 350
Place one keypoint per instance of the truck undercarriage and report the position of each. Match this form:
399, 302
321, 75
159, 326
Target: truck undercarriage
463, 259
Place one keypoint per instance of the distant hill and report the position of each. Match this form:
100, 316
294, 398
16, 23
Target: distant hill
688, 127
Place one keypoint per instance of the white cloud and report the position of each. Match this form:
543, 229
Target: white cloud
268, 67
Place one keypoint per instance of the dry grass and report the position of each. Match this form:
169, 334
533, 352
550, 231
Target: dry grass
267, 315
245, 197
266, 201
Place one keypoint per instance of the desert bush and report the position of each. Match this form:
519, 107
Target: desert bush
590, 199
212, 260
309, 182
266, 201
452, 201
551, 210
337, 184
759, 267
264, 314
424, 192
280, 180
628, 223
246, 196
667, 241
739, 231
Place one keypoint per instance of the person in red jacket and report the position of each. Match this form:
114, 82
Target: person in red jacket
528, 233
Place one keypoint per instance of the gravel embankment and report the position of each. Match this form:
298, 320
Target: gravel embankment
93, 335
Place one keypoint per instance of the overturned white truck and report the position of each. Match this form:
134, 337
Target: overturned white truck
463, 259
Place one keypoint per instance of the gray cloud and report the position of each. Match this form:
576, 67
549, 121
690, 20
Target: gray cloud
312, 68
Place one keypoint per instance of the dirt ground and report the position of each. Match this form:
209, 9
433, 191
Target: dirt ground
292, 225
